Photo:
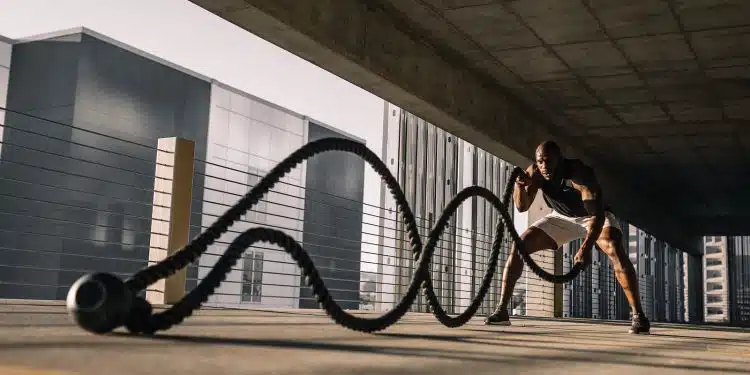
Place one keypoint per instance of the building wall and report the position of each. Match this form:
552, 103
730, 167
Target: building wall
389, 238
738, 254
432, 166
97, 203
42, 83
131, 98
715, 265
246, 138
333, 218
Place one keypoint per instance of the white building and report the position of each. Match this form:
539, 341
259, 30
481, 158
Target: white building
715, 271
246, 138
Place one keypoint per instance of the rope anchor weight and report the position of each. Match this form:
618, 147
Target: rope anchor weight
100, 302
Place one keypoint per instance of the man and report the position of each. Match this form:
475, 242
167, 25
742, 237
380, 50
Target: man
570, 188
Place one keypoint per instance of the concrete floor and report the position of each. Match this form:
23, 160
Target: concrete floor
39, 339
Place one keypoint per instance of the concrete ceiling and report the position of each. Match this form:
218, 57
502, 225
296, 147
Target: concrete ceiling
654, 92
660, 88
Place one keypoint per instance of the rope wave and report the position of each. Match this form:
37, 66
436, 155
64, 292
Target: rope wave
100, 302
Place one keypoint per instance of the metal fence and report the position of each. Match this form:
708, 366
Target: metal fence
75, 200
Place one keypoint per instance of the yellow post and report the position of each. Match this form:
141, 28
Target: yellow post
540, 295
170, 218
558, 296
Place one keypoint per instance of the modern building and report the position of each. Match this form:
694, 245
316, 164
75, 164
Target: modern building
715, 268
78, 162
727, 299
738, 265
432, 166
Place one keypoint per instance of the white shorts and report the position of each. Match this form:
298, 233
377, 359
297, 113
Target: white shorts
563, 229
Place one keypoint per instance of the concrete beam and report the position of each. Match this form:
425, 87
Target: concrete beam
363, 43
721, 225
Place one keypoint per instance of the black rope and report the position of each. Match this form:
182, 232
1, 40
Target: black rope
101, 302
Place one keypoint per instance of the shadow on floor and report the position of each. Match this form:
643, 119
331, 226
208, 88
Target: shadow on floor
571, 355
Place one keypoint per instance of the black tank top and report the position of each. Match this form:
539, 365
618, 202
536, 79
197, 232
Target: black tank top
561, 196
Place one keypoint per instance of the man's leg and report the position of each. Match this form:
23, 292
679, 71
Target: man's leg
534, 239
610, 241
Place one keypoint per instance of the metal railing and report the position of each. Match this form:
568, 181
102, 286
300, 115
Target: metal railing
74, 200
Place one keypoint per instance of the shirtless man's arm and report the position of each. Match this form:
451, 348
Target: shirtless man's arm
584, 180
526, 188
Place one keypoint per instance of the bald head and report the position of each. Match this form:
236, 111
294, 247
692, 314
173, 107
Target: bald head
549, 148
548, 157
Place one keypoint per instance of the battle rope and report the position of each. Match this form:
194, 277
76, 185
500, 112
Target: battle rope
101, 302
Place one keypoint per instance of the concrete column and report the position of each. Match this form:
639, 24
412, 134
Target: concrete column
558, 288
540, 294
170, 218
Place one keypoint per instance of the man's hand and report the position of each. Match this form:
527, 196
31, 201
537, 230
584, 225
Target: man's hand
527, 185
523, 179
584, 254
527, 178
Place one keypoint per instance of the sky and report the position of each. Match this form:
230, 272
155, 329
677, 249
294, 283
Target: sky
187, 35
183, 33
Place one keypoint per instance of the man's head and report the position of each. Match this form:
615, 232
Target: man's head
548, 156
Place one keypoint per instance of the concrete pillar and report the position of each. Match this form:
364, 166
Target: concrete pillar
170, 218
540, 294
694, 291
558, 288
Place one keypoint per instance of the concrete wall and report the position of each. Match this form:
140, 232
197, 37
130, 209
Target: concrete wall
246, 138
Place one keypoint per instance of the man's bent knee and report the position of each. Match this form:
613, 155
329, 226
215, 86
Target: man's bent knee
610, 234
535, 239
610, 242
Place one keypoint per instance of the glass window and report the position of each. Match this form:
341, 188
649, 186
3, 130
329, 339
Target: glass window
252, 276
